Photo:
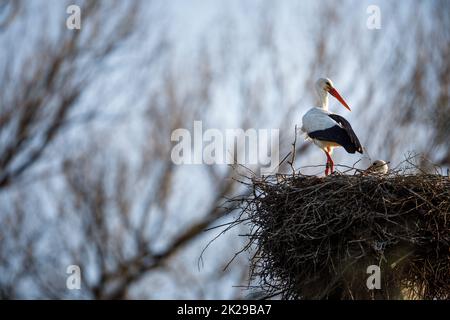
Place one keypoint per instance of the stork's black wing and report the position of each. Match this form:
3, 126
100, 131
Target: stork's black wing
348, 128
342, 134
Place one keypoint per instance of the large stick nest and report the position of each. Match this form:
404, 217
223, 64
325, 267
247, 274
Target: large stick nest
315, 237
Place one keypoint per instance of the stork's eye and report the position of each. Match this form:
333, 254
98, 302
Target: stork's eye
374, 163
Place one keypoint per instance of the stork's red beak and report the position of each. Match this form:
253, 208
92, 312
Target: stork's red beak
336, 94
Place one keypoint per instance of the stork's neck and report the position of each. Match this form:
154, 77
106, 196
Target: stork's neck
322, 99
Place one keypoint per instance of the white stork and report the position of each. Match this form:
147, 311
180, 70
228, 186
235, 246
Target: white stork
328, 130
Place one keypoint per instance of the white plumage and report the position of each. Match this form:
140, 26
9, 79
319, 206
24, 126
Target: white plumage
317, 119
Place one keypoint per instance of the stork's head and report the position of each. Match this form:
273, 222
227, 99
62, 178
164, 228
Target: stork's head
324, 85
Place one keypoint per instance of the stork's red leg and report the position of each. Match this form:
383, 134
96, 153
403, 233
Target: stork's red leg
331, 160
330, 164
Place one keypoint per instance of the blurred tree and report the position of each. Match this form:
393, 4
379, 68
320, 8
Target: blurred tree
77, 187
